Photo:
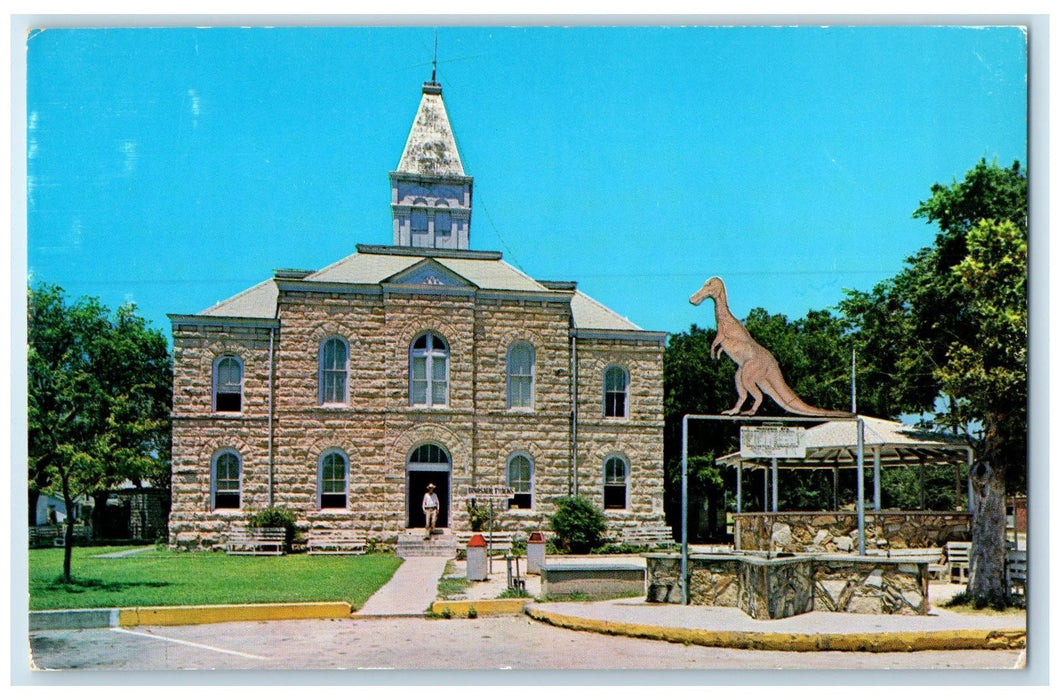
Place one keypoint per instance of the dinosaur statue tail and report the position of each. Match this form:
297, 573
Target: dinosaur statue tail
790, 402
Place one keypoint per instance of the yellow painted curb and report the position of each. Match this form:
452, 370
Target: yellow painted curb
205, 614
777, 641
460, 608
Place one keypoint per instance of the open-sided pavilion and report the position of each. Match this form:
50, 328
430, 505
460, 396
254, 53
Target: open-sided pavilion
833, 445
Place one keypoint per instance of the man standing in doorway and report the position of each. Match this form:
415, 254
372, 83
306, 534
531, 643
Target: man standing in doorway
430, 509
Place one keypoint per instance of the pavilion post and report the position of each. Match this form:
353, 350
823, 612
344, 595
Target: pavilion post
861, 485
684, 510
876, 479
835, 488
971, 493
775, 487
765, 490
739, 487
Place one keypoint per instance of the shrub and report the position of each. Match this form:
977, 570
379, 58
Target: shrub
472, 613
275, 517
477, 515
578, 525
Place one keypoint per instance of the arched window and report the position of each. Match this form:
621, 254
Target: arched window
616, 480
419, 216
520, 478
334, 368
616, 384
521, 376
331, 475
443, 222
226, 482
429, 455
228, 384
429, 371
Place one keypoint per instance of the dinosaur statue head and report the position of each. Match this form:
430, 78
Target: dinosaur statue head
711, 288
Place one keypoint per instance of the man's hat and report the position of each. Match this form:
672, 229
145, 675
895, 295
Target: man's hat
430, 486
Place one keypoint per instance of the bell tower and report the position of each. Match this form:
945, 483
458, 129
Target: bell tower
430, 196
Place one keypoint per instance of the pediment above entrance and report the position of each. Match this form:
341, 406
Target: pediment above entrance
429, 273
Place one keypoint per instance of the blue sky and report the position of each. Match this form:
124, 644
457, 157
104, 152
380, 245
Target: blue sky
177, 167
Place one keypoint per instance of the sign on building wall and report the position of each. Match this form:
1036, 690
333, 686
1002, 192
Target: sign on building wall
488, 492
772, 441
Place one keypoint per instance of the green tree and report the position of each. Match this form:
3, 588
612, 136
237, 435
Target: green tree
948, 336
988, 380
693, 383
99, 394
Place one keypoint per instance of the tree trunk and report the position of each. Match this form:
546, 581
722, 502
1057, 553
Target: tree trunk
68, 544
986, 577
34, 497
99, 514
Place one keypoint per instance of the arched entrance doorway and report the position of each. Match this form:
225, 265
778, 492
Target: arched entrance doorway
428, 464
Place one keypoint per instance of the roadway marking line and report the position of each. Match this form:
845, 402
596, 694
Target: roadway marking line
190, 644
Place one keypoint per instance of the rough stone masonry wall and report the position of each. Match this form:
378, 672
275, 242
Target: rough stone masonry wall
199, 434
541, 432
305, 430
838, 531
778, 588
638, 438
377, 429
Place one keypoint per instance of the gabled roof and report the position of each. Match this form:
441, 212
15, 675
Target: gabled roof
381, 265
590, 314
257, 302
834, 444
431, 146
376, 265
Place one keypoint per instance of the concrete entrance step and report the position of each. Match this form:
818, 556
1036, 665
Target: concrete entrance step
412, 544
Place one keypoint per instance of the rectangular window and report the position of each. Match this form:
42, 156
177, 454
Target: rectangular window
520, 480
229, 402
615, 484
226, 481
333, 481
419, 381
439, 386
228, 394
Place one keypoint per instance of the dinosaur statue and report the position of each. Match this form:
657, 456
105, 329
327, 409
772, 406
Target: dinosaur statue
757, 370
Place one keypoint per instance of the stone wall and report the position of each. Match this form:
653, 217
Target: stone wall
869, 587
377, 430
773, 588
838, 531
637, 438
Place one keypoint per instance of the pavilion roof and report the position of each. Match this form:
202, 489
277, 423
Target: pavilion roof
834, 444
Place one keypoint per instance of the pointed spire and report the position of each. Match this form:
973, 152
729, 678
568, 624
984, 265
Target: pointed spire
431, 146
430, 193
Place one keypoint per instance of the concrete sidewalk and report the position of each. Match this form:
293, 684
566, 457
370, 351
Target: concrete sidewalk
813, 631
413, 589
410, 591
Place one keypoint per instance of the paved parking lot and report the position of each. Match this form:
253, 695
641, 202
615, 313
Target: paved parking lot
508, 643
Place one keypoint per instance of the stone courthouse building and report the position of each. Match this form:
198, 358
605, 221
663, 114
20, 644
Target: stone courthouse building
340, 393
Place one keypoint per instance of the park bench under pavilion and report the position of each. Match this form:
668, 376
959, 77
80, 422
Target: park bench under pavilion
832, 445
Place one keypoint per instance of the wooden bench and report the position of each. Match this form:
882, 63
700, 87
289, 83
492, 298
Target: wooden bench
1016, 570
957, 561
649, 535
336, 542
256, 540
55, 535
937, 570
497, 542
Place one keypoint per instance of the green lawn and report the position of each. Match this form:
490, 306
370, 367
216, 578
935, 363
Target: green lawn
163, 577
